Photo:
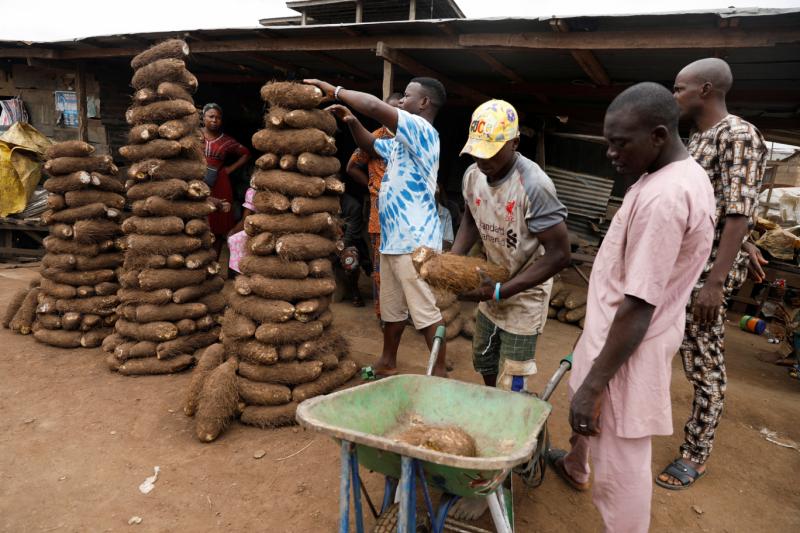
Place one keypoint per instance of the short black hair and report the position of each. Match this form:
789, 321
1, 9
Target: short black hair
433, 89
652, 103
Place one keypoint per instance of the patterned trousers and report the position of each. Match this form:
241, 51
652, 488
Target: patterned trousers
703, 355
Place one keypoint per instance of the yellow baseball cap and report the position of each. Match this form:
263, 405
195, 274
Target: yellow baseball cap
493, 124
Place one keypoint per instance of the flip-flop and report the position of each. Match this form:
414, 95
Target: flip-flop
685, 474
555, 458
375, 373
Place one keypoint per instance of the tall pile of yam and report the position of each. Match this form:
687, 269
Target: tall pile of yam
170, 297
278, 322
568, 303
75, 303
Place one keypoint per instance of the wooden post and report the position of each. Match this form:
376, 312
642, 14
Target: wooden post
540, 148
83, 120
359, 11
388, 79
303, 19
412, 10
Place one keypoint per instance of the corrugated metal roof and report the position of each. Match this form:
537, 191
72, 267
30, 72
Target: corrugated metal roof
586, 197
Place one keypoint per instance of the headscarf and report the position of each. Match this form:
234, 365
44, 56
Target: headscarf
208, 107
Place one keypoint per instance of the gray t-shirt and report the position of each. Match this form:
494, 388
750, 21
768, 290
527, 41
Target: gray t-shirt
509, 213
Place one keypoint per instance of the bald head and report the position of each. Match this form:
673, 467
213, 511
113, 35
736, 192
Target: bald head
709, 70
700, 89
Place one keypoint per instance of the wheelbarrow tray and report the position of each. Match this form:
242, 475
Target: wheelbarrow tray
505, 426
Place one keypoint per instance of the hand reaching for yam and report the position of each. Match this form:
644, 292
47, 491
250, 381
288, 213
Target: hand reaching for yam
341, 112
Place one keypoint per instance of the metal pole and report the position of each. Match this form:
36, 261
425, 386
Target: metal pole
83, 119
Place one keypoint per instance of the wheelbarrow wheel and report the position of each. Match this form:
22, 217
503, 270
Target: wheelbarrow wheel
387, 522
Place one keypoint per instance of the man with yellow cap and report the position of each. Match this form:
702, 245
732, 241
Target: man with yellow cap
512, 207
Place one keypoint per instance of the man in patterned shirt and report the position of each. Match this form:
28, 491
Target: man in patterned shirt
733, 154
406, 204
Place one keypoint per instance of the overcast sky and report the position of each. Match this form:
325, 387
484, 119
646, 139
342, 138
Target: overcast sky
48, 20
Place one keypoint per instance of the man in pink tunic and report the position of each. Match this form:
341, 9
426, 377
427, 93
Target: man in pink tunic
645, 269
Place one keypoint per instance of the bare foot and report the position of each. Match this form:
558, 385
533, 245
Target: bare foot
384, 369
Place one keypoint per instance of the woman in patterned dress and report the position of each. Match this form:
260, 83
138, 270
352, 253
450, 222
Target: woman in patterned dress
219, 148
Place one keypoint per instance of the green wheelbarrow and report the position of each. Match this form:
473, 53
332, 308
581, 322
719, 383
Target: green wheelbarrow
507, 427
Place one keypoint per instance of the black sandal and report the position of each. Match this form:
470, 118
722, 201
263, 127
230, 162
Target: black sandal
685, 474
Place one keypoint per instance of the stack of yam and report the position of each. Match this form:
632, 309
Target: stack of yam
170, 300
450, 307
75, 303
278, 320
568, 303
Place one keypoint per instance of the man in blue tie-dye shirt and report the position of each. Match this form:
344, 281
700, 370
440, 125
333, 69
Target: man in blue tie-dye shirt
407, 205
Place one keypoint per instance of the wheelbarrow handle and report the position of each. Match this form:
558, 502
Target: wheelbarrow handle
563, 368
438, 339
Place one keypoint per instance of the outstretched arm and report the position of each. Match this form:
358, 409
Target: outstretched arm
364, 103
364, 139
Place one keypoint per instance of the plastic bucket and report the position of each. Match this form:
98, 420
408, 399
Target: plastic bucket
752, 324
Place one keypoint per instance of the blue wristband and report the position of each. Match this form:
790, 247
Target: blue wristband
497, 291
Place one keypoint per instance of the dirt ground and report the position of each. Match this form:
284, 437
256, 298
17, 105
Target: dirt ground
76, 441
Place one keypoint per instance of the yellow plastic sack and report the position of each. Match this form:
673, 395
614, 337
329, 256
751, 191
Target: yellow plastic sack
20, 168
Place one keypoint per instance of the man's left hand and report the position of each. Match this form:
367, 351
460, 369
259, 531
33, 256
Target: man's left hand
709, 300
327, 88
484, 292
584, 412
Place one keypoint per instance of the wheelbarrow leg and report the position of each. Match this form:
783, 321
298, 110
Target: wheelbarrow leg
344, 489
349, 470
498, 509
407, 521
356, 489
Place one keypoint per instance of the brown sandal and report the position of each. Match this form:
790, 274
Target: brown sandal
555, 458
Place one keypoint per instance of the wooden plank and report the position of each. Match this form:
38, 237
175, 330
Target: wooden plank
388, 79
498, 67
628, 40
599, 40
83, 119
418, 69
20, 252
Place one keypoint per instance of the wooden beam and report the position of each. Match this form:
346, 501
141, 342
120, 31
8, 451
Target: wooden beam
629, 40
599, 40
347, 67
80, 93
418, 69
388, 79
585, 58
412, 10
498, 67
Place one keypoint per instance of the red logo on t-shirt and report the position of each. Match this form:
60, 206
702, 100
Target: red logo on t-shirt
510, 210
478, 201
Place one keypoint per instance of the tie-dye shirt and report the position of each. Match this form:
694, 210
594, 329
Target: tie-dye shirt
407, 205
